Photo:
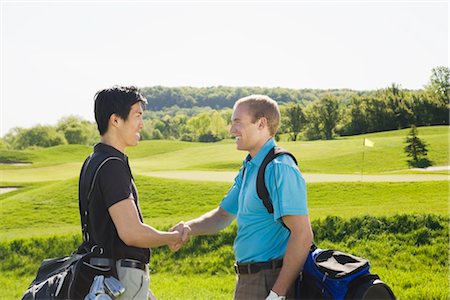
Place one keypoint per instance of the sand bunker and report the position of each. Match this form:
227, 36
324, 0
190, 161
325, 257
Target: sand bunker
7, 189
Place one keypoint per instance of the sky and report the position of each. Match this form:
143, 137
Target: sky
55, 55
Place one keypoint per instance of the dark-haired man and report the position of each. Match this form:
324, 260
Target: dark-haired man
270, 249
115, 222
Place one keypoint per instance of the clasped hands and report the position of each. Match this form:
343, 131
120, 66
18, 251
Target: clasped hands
183, 235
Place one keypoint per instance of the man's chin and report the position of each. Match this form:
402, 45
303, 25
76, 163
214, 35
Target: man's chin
238, 147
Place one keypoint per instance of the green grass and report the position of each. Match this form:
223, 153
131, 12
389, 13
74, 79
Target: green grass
52, 207
343, 155
41, 157
170, 286
404, 250
410, 252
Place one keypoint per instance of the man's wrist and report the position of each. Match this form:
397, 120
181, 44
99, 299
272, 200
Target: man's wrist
174, 237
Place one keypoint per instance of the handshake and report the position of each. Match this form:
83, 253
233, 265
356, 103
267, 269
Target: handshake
183, 231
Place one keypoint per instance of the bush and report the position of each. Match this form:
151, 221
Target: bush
157, 135
40, 136
209, 137
187, 137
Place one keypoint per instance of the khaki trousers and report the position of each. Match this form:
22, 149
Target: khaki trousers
136, 283
258, 285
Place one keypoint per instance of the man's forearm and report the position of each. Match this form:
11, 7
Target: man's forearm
211, 222
297, 251
145, 236
135, 233
294, 259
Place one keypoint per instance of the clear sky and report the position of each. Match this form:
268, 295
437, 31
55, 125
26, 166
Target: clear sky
56, 54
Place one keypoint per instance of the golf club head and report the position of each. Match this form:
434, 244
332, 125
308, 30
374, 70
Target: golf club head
114, 287
97, 285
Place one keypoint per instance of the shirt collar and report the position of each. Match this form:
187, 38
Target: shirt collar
259, 157
110, 150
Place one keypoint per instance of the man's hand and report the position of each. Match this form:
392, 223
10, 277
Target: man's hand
184, 231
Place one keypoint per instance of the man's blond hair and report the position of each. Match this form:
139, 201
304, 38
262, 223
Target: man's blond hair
262, 106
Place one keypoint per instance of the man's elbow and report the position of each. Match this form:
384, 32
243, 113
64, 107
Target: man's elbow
305, 237
129, 237
309, 237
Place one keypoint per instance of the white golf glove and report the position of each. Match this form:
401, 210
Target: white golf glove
274, 296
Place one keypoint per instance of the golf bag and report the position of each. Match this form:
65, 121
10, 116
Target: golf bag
331, 274
67, 277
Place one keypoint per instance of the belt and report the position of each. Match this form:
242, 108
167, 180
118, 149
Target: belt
251, 268
127, 263
101, 262
131, 263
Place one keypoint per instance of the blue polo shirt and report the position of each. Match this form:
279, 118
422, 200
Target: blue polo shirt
261, 236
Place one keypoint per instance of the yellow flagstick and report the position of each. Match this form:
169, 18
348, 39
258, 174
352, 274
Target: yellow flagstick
366, 143
362, 160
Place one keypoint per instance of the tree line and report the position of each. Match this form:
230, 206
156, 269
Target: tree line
204, 114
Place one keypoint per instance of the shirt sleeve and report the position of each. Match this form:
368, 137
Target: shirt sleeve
286, 187
115, 182
230, 201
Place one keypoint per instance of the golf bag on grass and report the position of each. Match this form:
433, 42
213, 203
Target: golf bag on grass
331, 274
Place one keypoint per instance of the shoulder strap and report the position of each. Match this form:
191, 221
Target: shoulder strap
88, 177
261, 188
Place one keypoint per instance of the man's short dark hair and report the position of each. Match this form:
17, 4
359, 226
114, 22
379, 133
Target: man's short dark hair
262, 106
115, 100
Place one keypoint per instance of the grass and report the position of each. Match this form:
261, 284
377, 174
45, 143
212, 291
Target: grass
52, 207
404, 250
195, 286
410, 251
343, 155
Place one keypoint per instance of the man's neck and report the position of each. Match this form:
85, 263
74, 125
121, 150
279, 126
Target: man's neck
112, 141
253, 152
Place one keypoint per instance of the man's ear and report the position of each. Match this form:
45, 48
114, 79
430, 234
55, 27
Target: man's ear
114, 120
263, 122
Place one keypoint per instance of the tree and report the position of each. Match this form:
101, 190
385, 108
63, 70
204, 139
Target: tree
354, 117
416, 149
77, 131
3, 145
314, 127
295, 120
199, 124
40, 136
218, 126
400, 105
322, 116
440, 83
157, 135
379, 116
439, 90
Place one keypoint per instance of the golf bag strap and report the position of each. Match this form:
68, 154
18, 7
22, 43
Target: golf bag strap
261, 188
84, 207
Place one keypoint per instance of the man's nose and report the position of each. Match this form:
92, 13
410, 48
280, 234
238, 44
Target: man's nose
232, 131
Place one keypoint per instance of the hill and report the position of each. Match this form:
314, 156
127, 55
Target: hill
401, 227
340, 156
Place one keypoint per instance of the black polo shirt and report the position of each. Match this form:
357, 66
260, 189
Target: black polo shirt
114, 183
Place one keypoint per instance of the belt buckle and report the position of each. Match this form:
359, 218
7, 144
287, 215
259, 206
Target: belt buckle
236, 268
274, 265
